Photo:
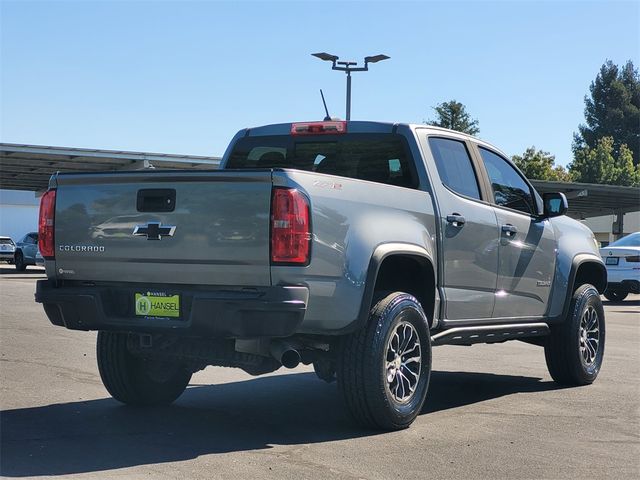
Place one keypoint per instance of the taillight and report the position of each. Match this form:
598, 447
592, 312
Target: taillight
290, 228
318, 128
46, 224
633, 259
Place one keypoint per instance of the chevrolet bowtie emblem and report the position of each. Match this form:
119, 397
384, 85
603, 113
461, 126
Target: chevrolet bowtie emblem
154, 230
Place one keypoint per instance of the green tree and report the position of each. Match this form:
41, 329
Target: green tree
612, 110
603, 165
453, 115
540, 165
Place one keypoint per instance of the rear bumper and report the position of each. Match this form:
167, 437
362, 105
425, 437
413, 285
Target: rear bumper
221, 313
619, 275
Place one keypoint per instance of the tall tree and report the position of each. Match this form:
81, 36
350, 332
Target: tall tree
612, 110
540, 165
453, 115
603, 165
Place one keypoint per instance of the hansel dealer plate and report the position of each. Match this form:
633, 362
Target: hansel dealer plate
157, 304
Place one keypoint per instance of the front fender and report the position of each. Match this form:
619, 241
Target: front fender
565, 282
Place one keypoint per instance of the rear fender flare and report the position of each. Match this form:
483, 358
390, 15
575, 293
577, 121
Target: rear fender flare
379, 255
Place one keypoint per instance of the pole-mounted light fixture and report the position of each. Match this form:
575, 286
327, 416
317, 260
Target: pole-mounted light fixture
348, 67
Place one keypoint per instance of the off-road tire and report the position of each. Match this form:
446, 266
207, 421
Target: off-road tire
19, 262
361, 366
616, 295
562, 350
135, 380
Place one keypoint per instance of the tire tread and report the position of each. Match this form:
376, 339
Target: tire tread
355, 356
560, 347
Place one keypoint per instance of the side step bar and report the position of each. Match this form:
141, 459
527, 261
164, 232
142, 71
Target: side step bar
489, 333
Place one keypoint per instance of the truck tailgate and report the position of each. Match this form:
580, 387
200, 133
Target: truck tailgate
221, 220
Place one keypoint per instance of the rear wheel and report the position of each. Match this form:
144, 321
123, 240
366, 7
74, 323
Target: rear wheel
136, 380
616, 295
383, 369
19, 261
575, 349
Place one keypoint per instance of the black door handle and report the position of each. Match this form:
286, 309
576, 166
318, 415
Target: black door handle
456, 220
509, 230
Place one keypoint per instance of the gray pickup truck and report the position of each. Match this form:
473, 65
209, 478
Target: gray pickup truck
352, 246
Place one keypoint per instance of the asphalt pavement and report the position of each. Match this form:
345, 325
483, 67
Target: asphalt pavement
492, 412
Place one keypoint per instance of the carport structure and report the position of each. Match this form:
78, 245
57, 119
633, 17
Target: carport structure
28, 167
592, 200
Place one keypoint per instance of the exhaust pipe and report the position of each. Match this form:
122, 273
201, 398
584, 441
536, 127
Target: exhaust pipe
283, 352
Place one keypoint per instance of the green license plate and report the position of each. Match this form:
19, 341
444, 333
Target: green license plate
157, 304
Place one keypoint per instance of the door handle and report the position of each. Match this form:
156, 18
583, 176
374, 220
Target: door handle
456, 220
509, 230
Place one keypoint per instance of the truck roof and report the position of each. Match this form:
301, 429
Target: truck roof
359, 126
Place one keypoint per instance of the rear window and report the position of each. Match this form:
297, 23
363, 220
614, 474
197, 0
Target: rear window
6, 241
454, 166
381, 158
632, 240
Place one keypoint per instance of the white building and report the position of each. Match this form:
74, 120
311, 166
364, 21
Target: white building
18, 213
601, 226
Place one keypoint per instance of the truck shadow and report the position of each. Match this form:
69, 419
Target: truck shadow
29, 272
102, 435
625, 303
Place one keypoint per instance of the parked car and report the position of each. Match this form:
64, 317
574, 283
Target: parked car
355, 246
26, 250
7, 249
622, 259
39, 259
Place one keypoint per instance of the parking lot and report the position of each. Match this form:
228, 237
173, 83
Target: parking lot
492, 412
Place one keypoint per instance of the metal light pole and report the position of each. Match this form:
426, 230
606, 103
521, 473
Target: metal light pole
349, 67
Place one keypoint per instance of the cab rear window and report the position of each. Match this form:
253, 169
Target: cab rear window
382, 158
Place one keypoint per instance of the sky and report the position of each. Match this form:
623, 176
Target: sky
183, 77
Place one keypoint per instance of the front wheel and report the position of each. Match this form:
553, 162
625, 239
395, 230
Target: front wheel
19, 262
136, 380
615, 295
384, 368
575, 349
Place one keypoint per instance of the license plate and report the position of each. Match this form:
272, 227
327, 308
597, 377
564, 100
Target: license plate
612, 260
157, 304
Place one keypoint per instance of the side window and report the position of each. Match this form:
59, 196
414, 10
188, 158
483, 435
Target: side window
509, 188
454, 166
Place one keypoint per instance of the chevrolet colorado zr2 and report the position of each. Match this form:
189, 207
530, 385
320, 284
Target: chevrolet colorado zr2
352, 246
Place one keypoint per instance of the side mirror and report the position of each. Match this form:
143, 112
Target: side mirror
555, 204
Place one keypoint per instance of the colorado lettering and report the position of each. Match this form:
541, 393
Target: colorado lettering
81, 248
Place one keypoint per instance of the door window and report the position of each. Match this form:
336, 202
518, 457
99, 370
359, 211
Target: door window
509, 188
454, 166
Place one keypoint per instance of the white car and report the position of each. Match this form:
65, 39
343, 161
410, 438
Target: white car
622, 259
7, 249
